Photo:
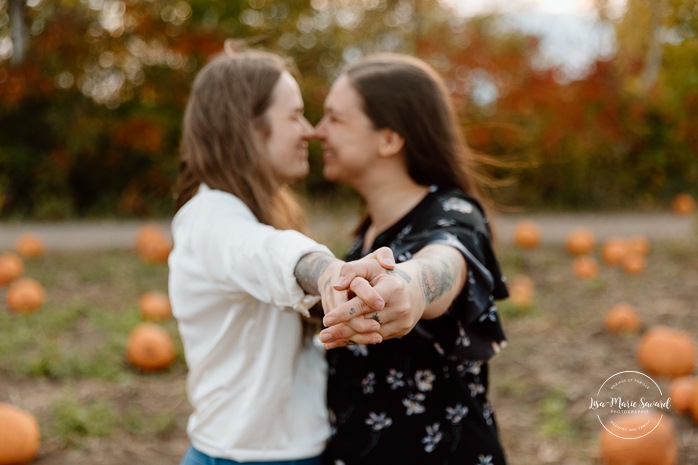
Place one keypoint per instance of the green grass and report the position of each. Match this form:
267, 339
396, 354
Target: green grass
80, 331
73, 420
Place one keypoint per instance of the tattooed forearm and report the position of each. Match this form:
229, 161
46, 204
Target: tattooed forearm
405, 277
437, 275
308, 271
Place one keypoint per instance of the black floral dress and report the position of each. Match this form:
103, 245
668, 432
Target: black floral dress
422, 399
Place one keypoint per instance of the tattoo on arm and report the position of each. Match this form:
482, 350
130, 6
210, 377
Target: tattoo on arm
308, 271
405, 277
437, 275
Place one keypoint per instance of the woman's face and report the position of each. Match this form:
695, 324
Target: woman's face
349, 140
287, 142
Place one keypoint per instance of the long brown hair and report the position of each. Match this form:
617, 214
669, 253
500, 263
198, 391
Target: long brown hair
407, 95
221, 144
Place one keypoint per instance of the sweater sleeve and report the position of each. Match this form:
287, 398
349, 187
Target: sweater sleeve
242, 255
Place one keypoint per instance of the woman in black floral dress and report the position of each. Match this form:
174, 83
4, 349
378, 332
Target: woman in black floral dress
390, 132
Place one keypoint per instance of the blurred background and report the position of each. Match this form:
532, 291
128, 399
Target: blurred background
583, 105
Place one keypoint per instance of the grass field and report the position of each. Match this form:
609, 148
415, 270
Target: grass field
65, 363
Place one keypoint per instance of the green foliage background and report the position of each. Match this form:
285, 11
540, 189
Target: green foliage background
90, 116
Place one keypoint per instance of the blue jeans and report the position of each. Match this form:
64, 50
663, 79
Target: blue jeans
195, 457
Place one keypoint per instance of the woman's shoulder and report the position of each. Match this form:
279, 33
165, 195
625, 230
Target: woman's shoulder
458, 206
211, 211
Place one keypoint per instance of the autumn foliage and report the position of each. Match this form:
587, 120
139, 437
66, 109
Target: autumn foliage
90, 120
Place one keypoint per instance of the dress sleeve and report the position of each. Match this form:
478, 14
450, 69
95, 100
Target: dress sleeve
471, 329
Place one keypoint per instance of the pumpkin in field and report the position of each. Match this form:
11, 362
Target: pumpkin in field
156, 251
150, 347
659, 447
155, 305
11, 267
669, 352
25, 295
634, 262
585, 267
521, 291
613, 250
681, 393
622, 318
580, 242
20, 435
683, 204
29, 245
152, 244
638, 244
527, 234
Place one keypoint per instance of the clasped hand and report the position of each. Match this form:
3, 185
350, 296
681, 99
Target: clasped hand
367, 301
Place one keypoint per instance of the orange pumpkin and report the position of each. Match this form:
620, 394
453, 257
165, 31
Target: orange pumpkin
656, 448
20, 435
150, 347
669, 352
25, 295
638, 244
622, 318
152, 244
634, 263
527, 234
613, 250
681, 393
156, 251
11, 267
580, 242
521, 291
585, 267
155, 305
29, 245
683, 204
147, 233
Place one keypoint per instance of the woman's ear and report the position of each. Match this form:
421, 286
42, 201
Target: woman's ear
391, 143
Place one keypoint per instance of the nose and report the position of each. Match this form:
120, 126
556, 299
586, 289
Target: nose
320, 130
308, 130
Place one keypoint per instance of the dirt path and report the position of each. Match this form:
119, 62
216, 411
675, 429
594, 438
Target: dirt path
554, 229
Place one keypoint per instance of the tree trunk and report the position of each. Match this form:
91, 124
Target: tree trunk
653, 59
18, 24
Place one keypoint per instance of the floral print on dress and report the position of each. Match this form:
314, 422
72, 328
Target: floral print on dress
487, 412
433, 437
462, 339
446, 222
378, 421
458, 205
476, 388
394, 379
424, 380
456, 413
413, 403
368, 382
359, 350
